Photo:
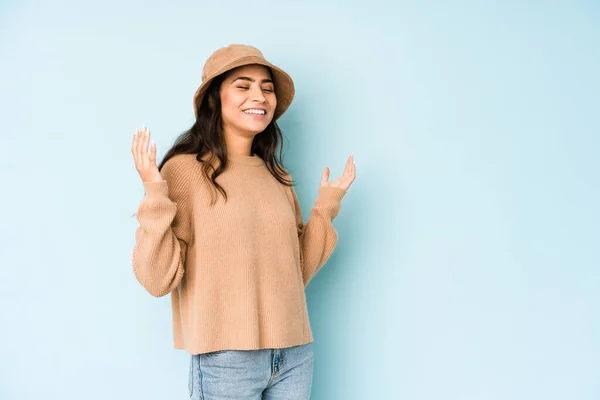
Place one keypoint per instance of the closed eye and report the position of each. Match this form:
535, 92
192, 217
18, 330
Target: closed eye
246, 88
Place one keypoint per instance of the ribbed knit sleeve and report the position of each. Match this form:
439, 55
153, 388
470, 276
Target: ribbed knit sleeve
317, 236
165, 230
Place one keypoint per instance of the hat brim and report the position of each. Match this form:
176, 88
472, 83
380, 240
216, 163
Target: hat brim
284, 85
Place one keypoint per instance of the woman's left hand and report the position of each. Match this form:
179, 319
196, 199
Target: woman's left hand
343, 181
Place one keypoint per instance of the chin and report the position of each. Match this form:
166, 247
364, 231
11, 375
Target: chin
256, 128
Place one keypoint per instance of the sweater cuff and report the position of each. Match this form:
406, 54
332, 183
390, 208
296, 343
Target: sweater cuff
328, 195
156, 188
329, 201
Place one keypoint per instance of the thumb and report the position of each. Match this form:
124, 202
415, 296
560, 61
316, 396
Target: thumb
325, 177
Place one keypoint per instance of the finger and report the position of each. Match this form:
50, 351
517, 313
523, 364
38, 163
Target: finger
347, 167
149, 144
152, 157
141, 139
142, 150
350, 162
133, 142
134, 148
145, 145
133, 139
349, 177
325, 176
140, 145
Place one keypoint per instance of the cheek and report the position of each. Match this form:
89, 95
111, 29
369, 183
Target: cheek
226, 100
230, 104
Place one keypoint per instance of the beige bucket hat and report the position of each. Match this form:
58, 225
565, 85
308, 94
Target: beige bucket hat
236, 55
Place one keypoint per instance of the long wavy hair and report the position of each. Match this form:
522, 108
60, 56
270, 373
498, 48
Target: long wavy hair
206, 137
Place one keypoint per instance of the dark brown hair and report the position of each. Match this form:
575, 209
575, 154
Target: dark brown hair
205, 137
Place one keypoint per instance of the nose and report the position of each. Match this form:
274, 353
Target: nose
257, 95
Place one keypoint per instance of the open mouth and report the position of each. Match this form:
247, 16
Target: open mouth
255, 112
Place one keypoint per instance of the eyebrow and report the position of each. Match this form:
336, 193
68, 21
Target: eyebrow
245, 78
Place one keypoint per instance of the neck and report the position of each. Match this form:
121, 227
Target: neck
238, 143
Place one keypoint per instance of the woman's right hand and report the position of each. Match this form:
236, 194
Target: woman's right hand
145, 163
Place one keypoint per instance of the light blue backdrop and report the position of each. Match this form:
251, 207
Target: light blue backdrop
468, 261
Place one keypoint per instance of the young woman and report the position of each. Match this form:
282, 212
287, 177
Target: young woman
221, 231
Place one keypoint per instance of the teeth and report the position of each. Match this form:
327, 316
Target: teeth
254, 111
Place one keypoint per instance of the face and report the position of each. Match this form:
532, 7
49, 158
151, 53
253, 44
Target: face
248, 100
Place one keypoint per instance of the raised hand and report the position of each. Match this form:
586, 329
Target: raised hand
145, 163
343, 181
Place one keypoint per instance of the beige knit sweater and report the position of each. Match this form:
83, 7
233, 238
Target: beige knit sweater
236, 271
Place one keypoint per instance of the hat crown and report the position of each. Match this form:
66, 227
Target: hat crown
223, 56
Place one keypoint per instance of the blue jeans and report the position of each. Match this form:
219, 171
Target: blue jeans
264, 374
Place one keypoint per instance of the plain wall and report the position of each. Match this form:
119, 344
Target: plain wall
468, 260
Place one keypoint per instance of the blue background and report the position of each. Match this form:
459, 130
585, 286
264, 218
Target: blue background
468, 260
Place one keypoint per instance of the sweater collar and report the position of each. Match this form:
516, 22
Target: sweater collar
252, 160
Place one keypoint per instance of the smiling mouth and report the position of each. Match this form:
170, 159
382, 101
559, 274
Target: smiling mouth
255, 111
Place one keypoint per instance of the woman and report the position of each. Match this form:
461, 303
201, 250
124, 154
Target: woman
221, 230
